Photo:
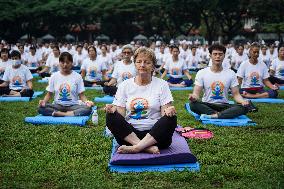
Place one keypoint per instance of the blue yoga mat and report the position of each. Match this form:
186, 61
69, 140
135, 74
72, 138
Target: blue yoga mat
105, 99
20, 99
39, 119
281, 87
242, 120
181, 88
107, 132
42, 81
75, 120
98, 88
35, 75
268, 100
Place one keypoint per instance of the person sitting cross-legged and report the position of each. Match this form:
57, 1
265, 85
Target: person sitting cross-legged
67, 87
216, 82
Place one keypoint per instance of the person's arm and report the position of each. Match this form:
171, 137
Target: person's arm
267, 83
4, 84
30, 84
104, 73
186, 72
164, 74
110, 108
83, 73
240, 80
196, 93
112, 82
168, 110
46, 98
237, 96
45, 69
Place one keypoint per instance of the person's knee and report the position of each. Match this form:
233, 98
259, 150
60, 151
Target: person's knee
85, 111
272, 93
42, 111
188, 82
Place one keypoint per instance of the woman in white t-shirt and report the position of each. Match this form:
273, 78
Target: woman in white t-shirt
92, 70
216, 81
52, 63
253, 76
277, 68
68, 89
17, 78
177, 68
33, 61
78, 58
142, 117
123, 70
238, 58
4, 62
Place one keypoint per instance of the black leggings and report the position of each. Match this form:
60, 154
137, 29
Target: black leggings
90, 83
162, 131
110, 90
25, 93
224, 111
274, 80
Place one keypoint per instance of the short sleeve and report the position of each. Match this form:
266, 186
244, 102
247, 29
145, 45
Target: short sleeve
165, 94
84, 65
81, 87
115, 72
240, 72
29, 75
120, 96
234, 81
199, 79
103, 66
50, 86
184, 66
166, 66
265, 72
273, 66
6, 74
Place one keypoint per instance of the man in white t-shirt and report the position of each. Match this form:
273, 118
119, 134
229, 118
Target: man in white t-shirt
253, 76
216, 82
52, 63
4, 62
17, 78
277, 68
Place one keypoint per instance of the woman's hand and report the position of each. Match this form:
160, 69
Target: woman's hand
89, 103
110, 108
41, 103
192, 97
170, 111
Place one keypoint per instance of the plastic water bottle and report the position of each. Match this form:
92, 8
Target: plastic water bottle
95, 118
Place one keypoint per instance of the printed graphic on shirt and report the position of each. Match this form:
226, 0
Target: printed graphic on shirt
54, 68
139, 108
175, 71
65, 92
126, 75
281, 71
33, 64
217, 88
17, 81
254, 79
93, 72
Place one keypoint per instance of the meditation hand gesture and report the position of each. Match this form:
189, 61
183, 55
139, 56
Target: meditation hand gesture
109, 108
89, 103
170, 111
274, 87
41, 103
245, 103
192, 97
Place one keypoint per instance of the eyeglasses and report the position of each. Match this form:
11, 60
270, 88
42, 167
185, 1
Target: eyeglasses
127, 52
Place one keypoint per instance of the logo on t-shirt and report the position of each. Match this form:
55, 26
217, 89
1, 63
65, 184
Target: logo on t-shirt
175, 71
93, 72
139, 108
64, 92
126, 75
254, 79
281, 71
17, 81
33, 64
217, 88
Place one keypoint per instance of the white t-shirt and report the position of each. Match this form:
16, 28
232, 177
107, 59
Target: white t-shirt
160, 58
53, 63
3, 66
93, 69
175, 69
17, 78
265, 59
216, 85
122, 72
143, 103
252, 75
278, 66
78, 59
106, 60
237, 59
66, 89
33, 61
193, 61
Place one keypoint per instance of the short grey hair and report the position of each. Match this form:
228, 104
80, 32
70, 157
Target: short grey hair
128, 46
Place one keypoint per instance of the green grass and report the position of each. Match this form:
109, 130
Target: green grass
76, 157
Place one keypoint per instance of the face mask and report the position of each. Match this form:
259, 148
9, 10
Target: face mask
16, 63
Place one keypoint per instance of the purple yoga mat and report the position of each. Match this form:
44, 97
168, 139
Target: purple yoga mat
178, 152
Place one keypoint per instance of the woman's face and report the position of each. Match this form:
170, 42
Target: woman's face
4, 56
281, 52
56, 52
66, 66
92, 53
144, 64
240, 50
175, 52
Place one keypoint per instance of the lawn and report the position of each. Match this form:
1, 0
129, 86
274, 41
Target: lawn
64, 156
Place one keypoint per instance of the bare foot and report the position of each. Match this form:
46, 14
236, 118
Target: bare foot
58, 114
152, 150
127, 150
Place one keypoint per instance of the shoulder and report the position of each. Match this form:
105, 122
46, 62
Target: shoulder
159, 82
203, 71
127, 83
